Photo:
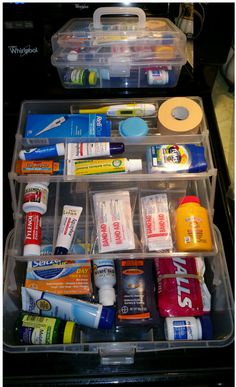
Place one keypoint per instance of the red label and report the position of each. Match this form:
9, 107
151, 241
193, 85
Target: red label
32, 228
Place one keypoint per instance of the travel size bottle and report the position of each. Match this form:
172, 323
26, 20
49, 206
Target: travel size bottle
33, 329
192, 226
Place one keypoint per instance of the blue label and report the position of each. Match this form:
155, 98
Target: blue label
180, 330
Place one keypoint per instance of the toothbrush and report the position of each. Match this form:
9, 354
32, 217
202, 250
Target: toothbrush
127, 110
54, 124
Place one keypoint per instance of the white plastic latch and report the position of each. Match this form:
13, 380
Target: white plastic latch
116, 356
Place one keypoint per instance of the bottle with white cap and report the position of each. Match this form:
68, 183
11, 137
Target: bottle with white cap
36, 197
105, 280
188, 328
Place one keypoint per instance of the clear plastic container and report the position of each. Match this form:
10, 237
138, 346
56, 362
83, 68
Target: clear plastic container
121, 343
118, 51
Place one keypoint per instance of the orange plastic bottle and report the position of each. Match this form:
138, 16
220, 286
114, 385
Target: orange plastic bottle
193, 231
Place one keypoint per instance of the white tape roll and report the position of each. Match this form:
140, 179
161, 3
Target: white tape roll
179, 115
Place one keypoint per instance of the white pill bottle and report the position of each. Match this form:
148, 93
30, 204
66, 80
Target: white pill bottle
188, 328
36, 198
105, 280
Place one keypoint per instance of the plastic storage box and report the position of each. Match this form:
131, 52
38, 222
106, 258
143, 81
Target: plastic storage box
120, 51
119, 344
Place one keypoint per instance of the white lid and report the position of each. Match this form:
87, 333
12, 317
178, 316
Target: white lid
134, 165
72, 56
22, 155
107, 297
31, 250
60, 149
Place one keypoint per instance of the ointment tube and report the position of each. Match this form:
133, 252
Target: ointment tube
69, 221
96, 167
48, 167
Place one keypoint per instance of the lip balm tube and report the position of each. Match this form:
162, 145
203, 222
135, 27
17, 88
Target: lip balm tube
32, 240
96, 167
67, 308
43, 152
83, 150
69, 221
105, 279
48, 167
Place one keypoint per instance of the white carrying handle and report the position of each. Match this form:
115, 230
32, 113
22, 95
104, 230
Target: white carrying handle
119, 11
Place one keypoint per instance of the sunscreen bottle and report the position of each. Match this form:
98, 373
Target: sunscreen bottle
192, 226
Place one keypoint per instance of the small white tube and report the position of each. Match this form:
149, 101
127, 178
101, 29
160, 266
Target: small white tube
69, 221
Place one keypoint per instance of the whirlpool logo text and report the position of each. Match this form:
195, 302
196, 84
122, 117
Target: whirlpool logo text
23, 51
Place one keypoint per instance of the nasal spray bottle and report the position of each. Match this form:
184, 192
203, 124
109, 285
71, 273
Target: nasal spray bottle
105, 280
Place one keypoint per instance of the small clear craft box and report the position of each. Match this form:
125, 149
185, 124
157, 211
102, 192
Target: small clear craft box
118, 344
124, 50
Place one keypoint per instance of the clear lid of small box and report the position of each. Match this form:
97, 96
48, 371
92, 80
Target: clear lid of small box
127, 35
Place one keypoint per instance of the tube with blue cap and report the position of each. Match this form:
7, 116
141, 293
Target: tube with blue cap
69, 221
176, 158
67, 308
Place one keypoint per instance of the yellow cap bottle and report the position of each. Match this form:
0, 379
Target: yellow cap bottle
192, 227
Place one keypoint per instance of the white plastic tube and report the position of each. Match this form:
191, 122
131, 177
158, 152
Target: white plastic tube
69, 221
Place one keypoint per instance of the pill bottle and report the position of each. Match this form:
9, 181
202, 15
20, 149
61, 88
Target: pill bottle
188, 328
192, 226
33, 329
36, 198
33, 233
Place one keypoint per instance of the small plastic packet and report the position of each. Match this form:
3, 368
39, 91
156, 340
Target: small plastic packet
113, 219
181, 287
156, 222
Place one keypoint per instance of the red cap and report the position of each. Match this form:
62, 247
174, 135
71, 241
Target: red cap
189, 199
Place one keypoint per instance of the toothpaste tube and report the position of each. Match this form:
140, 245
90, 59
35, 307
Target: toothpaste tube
114, 221
156, 222
43, 152
69, 221
60, 277
67, 308
48, 167
176, 158
135, 292
68, 125
181, 287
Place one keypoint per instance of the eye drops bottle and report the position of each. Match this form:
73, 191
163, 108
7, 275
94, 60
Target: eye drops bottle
105, 279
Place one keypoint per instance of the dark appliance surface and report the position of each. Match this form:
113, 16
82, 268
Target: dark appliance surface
32, 25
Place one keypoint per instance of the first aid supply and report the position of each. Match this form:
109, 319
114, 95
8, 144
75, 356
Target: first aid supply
48, 167
105, 280
67, 308
85, 150
100, 166
36, 198
127, 110
43, 152
188, 328
32, 240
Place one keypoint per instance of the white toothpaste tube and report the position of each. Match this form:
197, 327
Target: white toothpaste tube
114, 221
69, 221
156, 222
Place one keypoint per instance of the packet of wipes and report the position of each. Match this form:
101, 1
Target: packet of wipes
181, 287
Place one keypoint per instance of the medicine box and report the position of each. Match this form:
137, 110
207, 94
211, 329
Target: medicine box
120, 344
124, 50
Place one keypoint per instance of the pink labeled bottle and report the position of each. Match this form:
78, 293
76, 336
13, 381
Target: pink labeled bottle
192, 228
